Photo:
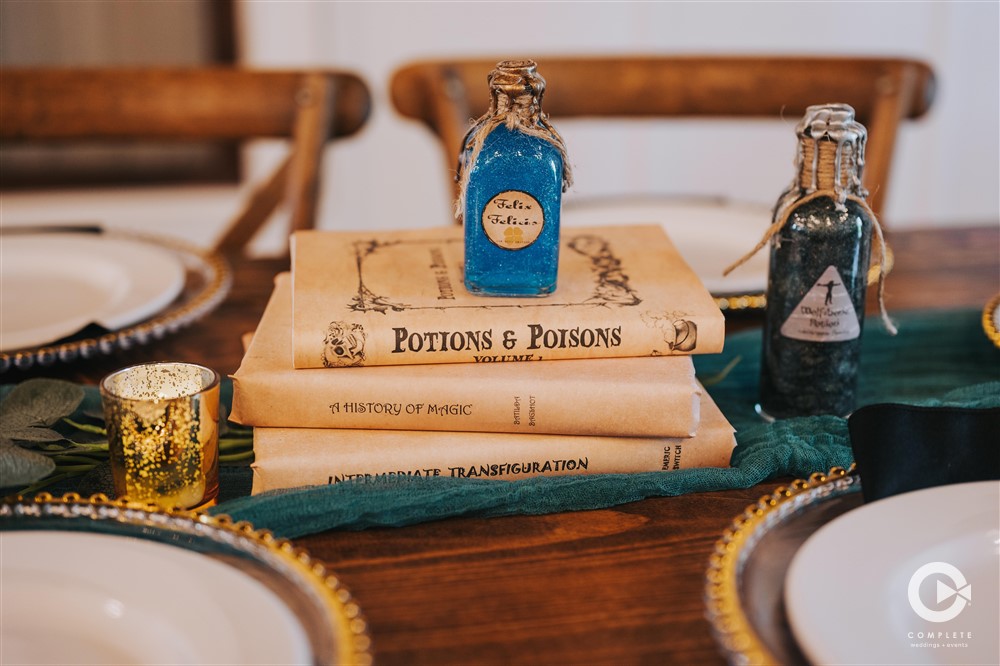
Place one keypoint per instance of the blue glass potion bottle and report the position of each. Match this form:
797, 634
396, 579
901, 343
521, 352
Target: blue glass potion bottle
512, 175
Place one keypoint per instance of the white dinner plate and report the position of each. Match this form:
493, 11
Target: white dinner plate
710, 235
911, 579
85, 598
53, 285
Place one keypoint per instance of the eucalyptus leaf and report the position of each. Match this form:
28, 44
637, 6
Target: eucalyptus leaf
39, 402
32, 435
19, 466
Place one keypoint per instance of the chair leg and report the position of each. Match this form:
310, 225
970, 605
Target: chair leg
258, 208
297, 179
895, 97
312, 129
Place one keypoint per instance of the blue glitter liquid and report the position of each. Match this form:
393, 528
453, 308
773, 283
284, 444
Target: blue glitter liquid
513, 175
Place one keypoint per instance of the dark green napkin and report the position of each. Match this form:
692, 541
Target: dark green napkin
901, 448
938, 358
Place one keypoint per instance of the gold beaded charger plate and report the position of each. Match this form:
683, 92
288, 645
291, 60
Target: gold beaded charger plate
96, 581
746, 574
926, 564
991, 320
71, 295
771, 585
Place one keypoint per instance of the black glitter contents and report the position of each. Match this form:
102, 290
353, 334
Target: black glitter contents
802, 377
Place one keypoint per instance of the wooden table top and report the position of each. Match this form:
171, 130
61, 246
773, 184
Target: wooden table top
613, 586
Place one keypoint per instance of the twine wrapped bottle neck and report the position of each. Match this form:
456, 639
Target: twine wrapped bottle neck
524, 109
831, 167
516, 91
516, 88
829, 160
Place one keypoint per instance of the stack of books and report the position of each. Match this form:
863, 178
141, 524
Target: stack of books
372, 360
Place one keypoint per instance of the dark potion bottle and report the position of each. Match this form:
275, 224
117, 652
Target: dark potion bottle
818, 275
512, 172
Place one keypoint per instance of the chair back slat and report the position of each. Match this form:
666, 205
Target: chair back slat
307, 108
446, 94
66, 104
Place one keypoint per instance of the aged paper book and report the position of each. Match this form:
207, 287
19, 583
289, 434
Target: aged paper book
292, 457
657, 397
395, 298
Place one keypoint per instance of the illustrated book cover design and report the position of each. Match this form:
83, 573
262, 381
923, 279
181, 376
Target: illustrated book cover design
398, 298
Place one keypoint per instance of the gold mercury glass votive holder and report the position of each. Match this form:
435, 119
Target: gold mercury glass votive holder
163, 433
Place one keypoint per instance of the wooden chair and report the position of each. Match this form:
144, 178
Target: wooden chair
186, 104
446, 94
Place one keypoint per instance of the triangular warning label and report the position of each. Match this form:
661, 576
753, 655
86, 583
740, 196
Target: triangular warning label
825, 314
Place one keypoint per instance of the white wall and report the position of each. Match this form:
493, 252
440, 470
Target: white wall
946, 166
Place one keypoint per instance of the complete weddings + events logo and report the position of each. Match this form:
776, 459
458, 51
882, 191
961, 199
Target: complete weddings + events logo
952, 594
960, 591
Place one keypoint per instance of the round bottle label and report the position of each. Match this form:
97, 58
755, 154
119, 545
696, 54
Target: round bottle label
513, 220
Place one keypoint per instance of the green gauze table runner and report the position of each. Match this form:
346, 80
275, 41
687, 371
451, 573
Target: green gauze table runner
938, 358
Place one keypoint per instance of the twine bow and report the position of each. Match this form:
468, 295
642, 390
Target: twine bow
781, 218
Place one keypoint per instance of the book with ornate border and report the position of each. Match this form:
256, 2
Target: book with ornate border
397, 297
291, 457
626, 396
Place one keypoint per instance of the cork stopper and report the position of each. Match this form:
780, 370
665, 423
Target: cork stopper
831, 151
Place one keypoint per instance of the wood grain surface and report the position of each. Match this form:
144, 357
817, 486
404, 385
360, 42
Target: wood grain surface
613, 586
